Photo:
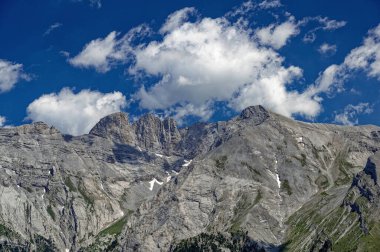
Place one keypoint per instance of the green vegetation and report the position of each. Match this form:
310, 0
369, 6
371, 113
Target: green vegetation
50, 211
235, 241
106, 240
88, 199
242, 208
345, 176
341, 226
70, 184
115, 228
221, 162
259, 196
7, 232
285, 186
43, 244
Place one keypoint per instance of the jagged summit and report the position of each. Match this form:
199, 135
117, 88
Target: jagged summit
120, 120
256, 113
372, 167
115, 126
148, 132
159, 185
37, 128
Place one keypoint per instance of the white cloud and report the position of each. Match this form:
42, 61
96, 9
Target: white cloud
102, 53
207, 60
10, 74
267, 4
176, 19
327, 49
52, 28
324, 23
214, 60
250, 6
351, 112
277, 35
99, 54
365, 58
2, 121
75, 113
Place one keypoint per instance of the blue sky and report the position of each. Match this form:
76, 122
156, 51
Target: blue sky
71, 62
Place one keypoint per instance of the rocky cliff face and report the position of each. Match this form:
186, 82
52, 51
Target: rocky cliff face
258, 181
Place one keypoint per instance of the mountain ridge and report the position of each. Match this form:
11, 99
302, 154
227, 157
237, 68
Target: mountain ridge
152, 186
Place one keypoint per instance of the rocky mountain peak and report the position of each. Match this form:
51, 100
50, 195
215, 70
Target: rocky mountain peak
154, 134
258, 114
372, 167
38, 128
115, 126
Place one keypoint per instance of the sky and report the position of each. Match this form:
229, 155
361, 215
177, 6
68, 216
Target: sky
71, 62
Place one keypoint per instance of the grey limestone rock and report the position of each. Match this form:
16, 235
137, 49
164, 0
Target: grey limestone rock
148, 185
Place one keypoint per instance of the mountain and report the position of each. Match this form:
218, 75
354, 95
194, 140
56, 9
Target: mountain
258, 182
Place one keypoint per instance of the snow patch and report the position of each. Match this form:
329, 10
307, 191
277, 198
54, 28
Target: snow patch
67, 250
187, 163
278, 181
152, 183
158, 155
138, 147
176, 173
168, 178
300, 141
276, 177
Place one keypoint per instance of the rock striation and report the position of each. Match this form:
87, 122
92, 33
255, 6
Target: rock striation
258, 181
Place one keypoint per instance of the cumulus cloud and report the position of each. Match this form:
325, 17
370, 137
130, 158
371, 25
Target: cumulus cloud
214, 60
365, 57
75, 113
52, 28
327, 49
99, 54
277, 35
202, 61
10, 74
102, 53
176, 19
351, 112
2, 121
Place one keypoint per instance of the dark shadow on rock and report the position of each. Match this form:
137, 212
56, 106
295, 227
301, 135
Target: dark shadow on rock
124, 153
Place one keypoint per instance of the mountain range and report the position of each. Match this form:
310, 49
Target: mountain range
257, 182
